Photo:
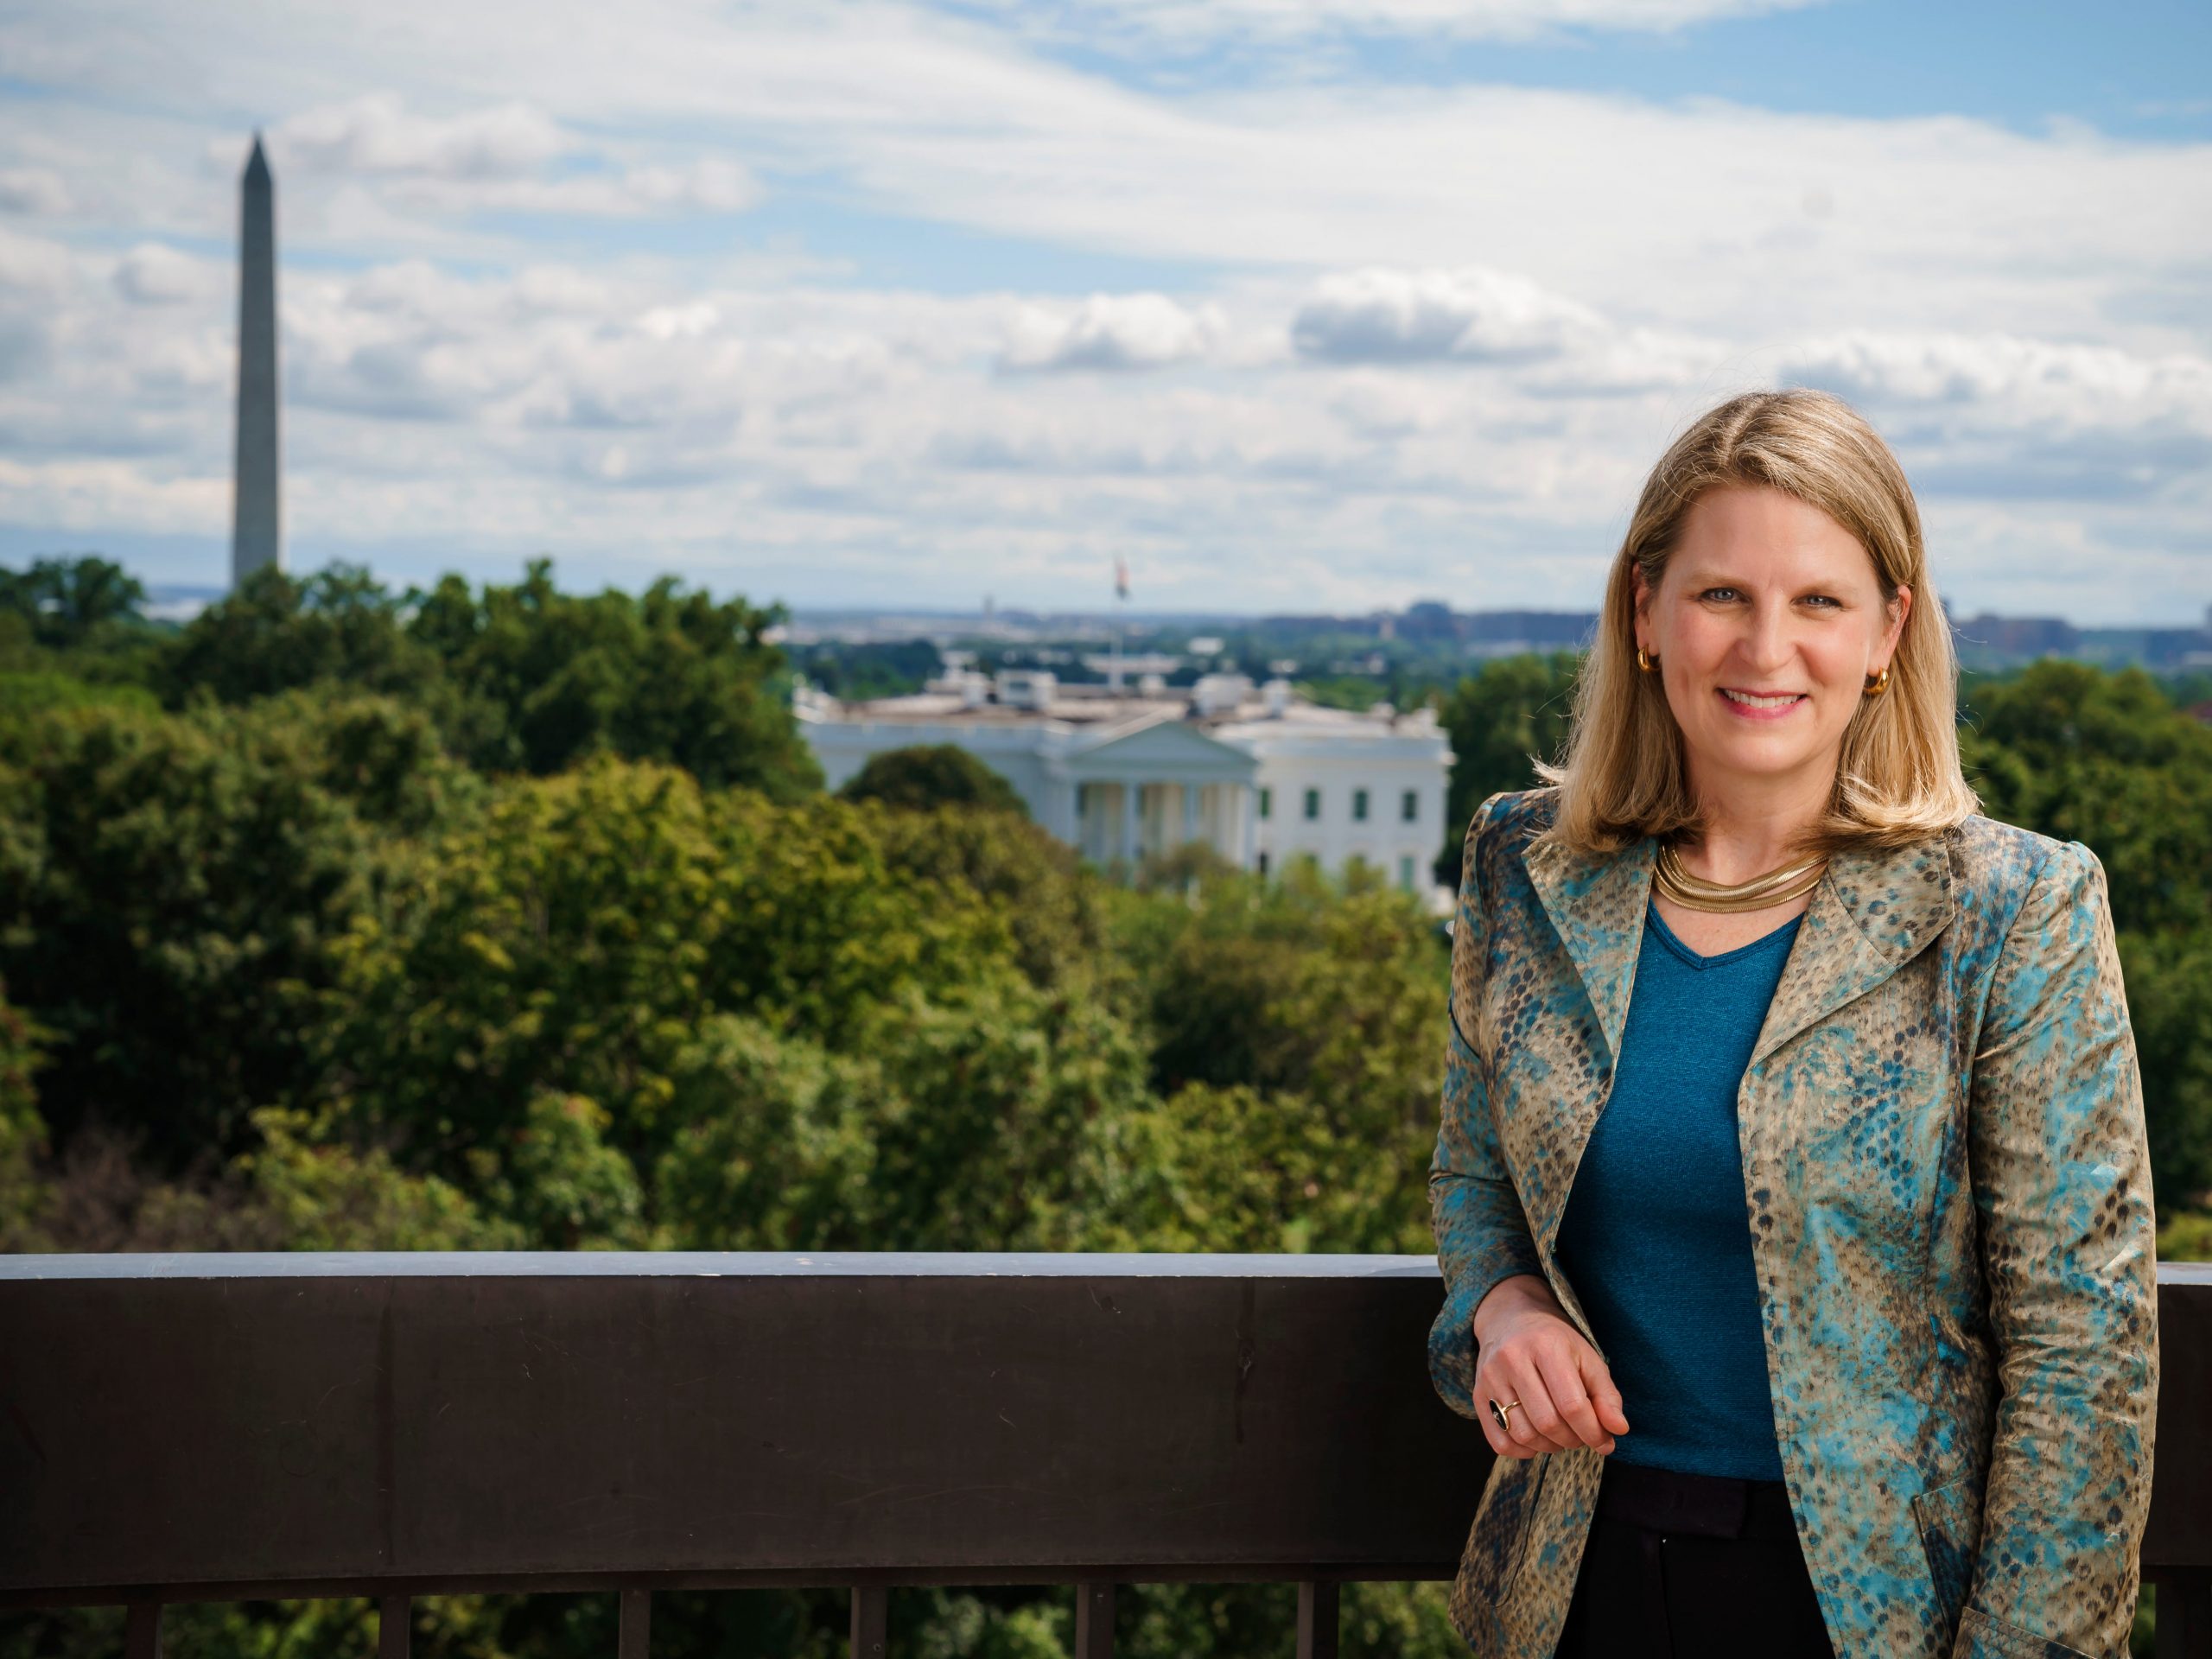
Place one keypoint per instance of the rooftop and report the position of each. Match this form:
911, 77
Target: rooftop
1225, 705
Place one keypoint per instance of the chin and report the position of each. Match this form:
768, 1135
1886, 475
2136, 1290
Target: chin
1756, 759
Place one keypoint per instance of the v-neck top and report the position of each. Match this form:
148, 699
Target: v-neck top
1656, 1238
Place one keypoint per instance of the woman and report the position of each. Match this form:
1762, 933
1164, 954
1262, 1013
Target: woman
1791, 1194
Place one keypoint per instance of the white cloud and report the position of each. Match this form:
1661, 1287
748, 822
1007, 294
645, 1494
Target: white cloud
492, 160
377, 135
1109, 331
154, 274
2006, 379
33, 190
31, 266
1423, 316
710, 185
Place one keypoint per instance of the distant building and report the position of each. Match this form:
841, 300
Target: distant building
1257, 774
1988, 639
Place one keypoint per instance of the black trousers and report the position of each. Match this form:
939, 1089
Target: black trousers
1682, 1565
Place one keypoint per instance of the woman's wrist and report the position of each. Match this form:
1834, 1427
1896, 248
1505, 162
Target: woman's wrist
1509, 1298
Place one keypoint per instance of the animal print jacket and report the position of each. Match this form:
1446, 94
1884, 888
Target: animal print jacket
1949, 1197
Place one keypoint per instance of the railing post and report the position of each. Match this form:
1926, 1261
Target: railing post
1317, 1619
141, 1631
1094, 1621
871, 1620
2184, 1614
636, 1633
395, 1615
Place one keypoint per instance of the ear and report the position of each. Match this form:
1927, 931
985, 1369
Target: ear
1640, 593
1902, 605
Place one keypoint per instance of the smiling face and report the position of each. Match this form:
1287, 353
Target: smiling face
1767, 621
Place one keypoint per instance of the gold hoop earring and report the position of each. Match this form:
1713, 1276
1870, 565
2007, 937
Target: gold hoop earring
1878, 684
1648, 664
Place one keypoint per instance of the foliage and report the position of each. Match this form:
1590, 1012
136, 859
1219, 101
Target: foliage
1032, 880
518, 678
580, 934
171, 889
23, 1144
276, 633
2103, 758
2186, 1236
67, 600
2169, 980
664, 676
857, 670
1514, 709
924, 775
1290, 1024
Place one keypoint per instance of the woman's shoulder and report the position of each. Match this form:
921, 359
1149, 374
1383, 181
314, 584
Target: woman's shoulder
1991, 858
1514, 814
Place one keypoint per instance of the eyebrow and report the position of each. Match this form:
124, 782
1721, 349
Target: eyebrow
1711, 578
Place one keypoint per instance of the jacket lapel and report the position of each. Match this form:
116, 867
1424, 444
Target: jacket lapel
1596, 904
1873, 911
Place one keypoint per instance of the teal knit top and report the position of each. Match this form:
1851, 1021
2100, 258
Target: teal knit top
1655, 1239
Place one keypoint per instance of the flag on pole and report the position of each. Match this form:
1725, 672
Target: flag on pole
1121, 578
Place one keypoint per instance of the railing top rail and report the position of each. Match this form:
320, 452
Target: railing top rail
714, 1264
760, 1264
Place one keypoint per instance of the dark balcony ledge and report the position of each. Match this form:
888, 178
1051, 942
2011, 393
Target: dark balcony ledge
213, 1426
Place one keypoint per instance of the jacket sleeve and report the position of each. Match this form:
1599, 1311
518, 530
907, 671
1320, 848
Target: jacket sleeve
1482, 1235
2062, 1188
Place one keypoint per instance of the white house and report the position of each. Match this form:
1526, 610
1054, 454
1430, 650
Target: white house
1261, 776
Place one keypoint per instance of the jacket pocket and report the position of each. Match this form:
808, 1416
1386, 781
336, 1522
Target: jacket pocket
1949, 1519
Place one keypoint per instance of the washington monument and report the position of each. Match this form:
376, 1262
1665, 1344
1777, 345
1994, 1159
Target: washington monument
257, 536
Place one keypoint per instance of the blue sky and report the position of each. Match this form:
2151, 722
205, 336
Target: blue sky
2141, 70
1287, 302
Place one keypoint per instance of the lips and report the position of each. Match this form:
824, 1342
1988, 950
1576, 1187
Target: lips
1763, 700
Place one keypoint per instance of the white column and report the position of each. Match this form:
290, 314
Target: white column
1247, 813
1059, 814
1190, 810
1129, 791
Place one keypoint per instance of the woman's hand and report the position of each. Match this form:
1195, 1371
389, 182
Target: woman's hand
1527, 1350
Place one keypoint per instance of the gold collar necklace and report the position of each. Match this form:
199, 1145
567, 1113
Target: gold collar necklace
1776, 887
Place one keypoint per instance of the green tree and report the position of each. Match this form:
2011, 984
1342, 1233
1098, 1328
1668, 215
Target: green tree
1293, 1026
2085, 755
171, 888
924, 775
1035, 882
277, 632
23, 1196
66, 600
990, 1117
2170, 1008
574, 939
522, 678
1514, 708
553, 678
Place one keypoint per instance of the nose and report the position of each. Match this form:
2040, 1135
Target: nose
1767, 645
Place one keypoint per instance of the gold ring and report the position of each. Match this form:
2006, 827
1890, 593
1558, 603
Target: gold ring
1504, 1414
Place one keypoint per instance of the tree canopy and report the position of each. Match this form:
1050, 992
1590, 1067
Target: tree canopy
932, 774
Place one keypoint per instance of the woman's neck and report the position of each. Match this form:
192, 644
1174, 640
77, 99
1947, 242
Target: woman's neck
1752, 823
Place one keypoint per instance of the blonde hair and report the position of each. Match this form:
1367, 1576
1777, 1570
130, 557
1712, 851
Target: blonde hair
1622, 773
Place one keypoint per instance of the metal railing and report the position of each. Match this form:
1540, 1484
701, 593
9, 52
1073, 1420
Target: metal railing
220, 1428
